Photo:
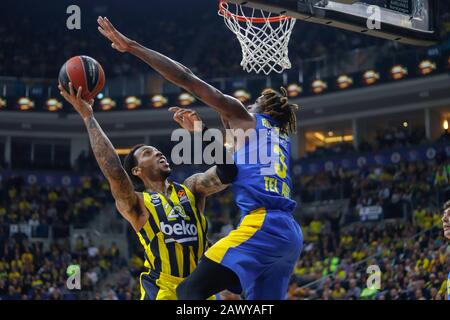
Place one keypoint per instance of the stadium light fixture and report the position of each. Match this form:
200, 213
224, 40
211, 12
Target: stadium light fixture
53, 105
319, 136
399, 72
445, 125
370, 77
2, 103
132, 103
346, 138
25, 104
331, 138
159, 100
405, 124
344, 82
122, 151
242, 95
107, 104
186, 99
294, 90
426, 67
319, 86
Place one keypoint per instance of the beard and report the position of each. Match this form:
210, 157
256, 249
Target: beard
165, 173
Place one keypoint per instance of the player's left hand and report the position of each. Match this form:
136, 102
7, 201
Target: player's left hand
84, 108
187, 119
446, 223
119, 41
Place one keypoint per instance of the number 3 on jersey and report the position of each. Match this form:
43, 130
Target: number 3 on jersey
280, 168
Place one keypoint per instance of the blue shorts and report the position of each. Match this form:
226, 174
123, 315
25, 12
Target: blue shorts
262, 251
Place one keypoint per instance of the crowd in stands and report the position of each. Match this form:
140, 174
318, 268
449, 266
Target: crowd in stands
28, 51
413, 263
391, 186
30, 271
334, 255
34, 208
390, 138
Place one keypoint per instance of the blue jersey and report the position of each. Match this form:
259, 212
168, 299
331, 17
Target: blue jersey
263, 179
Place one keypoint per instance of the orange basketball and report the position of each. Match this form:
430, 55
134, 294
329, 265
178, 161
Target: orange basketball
85, 72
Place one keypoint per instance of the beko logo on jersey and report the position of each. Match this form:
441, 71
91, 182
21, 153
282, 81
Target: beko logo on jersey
179, 229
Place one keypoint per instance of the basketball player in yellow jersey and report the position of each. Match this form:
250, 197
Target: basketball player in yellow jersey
167, 216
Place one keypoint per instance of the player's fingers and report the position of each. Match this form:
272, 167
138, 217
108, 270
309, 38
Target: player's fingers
183, 114
64, 94
91, 102
174, 109
103, 32
62, 89
109, 24
177, 119
193, 114
80, 89
71, 89
101, 22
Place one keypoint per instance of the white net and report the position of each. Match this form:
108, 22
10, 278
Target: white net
264, 37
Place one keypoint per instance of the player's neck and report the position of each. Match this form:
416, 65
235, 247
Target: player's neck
160, 186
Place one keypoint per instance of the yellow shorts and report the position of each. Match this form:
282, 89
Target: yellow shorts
160, 286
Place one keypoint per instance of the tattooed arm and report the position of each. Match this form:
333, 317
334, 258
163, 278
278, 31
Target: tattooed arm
205, 183
121, 187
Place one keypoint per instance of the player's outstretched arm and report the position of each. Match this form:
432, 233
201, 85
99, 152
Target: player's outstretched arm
107, 158
228, 107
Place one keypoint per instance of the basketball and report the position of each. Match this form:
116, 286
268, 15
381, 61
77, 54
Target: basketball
85, 72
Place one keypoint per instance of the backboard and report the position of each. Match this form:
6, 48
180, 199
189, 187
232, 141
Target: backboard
408, 21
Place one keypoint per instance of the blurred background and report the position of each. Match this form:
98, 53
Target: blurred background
371, 166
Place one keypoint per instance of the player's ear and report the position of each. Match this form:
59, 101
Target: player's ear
136, 171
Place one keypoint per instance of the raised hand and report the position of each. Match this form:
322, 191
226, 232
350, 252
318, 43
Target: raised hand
83, 107
186, 118
119, 41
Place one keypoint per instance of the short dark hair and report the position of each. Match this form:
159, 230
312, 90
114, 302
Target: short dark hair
277, 105
129, 163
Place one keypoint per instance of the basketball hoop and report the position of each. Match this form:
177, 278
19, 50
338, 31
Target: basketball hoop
264, 37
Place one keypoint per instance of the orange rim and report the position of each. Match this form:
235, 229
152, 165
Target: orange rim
227, 14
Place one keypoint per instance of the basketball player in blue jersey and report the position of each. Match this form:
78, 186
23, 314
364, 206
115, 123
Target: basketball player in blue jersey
446, 226
258, 258
167, 216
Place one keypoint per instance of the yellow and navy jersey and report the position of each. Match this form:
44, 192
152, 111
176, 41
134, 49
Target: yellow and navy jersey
263, 179
174, 236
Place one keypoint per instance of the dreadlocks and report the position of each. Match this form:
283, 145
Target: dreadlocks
277, 106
